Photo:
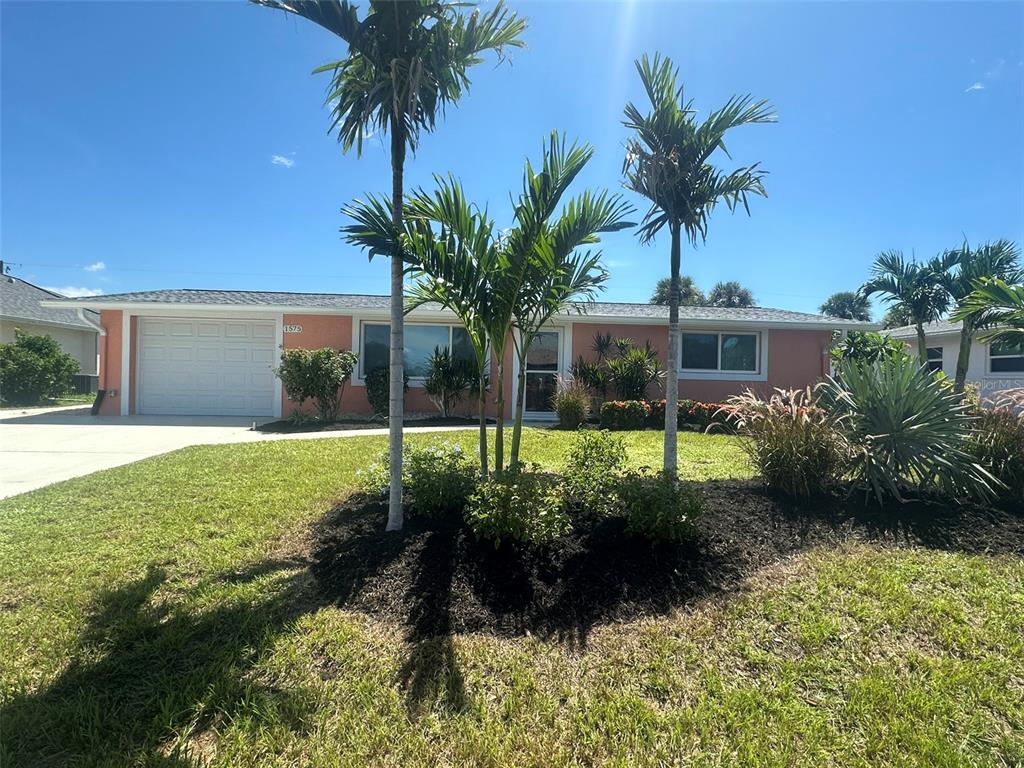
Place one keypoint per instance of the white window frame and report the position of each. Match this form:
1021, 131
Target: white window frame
1002, 374
941, 359
718, 374
414, 381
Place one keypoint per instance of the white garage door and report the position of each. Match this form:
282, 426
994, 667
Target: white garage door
205, 367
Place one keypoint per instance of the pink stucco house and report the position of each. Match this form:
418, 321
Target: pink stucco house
211, 352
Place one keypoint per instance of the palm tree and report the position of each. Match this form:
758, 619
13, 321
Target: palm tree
848, 305
407, 60
689, 294
920, 290
729, 294
668, 161
999, 260
895, 317
995, 303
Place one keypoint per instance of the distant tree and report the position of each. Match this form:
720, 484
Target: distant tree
729, 294
895, 317
848, 305
689, 294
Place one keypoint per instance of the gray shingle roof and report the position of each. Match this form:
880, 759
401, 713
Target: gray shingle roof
939, 328
353, 301
20, 301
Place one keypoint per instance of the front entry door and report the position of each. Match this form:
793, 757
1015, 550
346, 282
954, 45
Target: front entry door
542, 366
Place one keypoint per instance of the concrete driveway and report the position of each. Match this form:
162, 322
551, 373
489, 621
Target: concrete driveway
41, 447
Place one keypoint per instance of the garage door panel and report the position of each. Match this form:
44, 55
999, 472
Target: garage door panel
206, 367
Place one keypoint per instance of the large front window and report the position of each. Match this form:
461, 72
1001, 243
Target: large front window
725, 352
420, 343
542, 371
1006, 357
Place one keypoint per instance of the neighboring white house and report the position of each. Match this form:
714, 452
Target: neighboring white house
992, 368
77, 334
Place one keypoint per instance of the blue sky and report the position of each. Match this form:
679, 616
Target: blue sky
167, 145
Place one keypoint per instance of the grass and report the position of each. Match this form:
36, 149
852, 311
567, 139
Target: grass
66, 400
156, 613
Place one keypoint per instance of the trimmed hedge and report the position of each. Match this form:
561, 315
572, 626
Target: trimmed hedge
691, 413
624, 414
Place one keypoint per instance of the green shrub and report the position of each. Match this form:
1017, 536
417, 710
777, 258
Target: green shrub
998, 443
572, 403
319, 375
521, 506
378, 390
375, 478
440, 479
634, 370
656, 419
628, 414
797, 446
659, 507
34, 369
868, 347
448, 380
705, 415
906, 431
592, 375
591, 477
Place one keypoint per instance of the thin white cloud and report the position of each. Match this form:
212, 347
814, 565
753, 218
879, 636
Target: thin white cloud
73, 291
287, 162
975, 87
99, 266
617, 263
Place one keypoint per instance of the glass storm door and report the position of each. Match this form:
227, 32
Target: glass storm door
542, 371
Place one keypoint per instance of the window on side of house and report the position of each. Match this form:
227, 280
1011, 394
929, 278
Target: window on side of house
935, 359
1006, 357
420, 342
720, 352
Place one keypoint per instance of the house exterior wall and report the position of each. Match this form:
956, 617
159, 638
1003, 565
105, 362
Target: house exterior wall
978, 367
110, 361
80, 344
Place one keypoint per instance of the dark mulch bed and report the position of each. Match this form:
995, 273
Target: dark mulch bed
436, 579
288, 426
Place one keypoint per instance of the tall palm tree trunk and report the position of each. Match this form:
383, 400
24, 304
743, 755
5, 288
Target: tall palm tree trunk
671, 460
922, 345
517, 424
397, 380
963, 359
499, 421
482, 394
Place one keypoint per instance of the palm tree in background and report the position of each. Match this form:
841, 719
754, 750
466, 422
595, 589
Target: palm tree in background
407, 60
895, 317
689, 294
848, 305
992, 261
920, 290
729, 294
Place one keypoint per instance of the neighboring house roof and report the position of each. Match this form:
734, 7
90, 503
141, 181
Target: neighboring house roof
20, 300
341, 302
938, 328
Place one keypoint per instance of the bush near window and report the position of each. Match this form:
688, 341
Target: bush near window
634, 370
378, 390
519, 505
659, 507
34, 369
906, 430
868, 347
593, 464
656, 419
624, 414
441, 478
796, 445
571, 403
705, 415
448, 380
319, 375
998, 443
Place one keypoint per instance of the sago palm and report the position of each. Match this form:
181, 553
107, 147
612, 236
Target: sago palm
920, 290
407, 60
999, 260
669, 161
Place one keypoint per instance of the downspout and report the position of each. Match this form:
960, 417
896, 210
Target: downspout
101, 391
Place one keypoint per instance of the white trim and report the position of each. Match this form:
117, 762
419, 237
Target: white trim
694, 374
563, 367
278, 386
126, 350
990, 374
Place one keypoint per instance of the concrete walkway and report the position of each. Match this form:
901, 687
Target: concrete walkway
49, 445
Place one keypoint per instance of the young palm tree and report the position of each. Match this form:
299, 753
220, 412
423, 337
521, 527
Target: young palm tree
849, 305
920, 290
999, 260
668, 161
407, 60
995, 303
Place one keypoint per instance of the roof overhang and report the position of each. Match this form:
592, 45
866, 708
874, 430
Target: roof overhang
55, 323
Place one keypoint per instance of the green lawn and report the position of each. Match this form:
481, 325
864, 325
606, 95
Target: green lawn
66, 400
157, 614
